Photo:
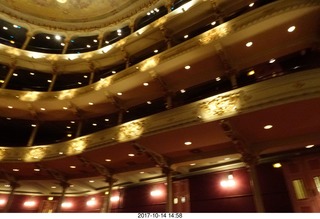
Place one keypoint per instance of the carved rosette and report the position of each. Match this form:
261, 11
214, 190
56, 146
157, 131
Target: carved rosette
35, 154
77, 147
214, 34
220, 105
130, 131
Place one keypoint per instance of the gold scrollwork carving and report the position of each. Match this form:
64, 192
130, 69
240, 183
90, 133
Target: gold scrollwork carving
130, 131
220, 105
35, 154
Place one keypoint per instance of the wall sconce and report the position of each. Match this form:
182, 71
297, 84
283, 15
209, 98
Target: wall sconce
2, 202
91, 202
156, 193
114, 198
229, 182
66, 205
29, 204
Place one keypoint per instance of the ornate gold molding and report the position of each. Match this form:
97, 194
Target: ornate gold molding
219, 105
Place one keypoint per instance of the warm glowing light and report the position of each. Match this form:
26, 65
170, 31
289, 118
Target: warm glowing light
30, 96
91, 202
187, 67
2, 202
268, 127
156, 193
29, 203
310, 146
277, 165
229, 182
188, 143
248, 44
291, 29
114, 198
272, 61
66, 205
131, 155
251, 4
252, 72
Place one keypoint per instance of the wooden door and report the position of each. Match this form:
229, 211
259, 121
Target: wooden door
303, 181
181, 196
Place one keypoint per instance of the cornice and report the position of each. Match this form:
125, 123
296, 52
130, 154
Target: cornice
121, 16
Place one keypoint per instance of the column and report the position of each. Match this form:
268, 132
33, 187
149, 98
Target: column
64, 186
29, 36
13, 186
79, 128
120, 116
33, 135
53, 80
9, 75
66, 45
169, 104
169, 203
100, 39
168, 5
106, 205
251, 161
131, 25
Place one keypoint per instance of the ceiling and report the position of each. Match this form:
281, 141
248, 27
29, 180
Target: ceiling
295, 124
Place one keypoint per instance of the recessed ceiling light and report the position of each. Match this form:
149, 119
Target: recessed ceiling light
72, 167
310, 146
291, 29
10, 107
36, 170
277, 165
33, 125
72, 122
65, 108
131, 155
267, 126
88, 46
141, 172
272, 61
91, 181
213, 23
145, 84
60, 152
192, 164
42, 109
218, 79
69, 135
94, 124
5, 28
90, 103
251, 4
155, 51
15, 74
248, 44
187, 67
182, 91
53, 187
252, 72
188, 143
48, 37
57, 37
119, 93
149, 102
108, 160
15, 170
